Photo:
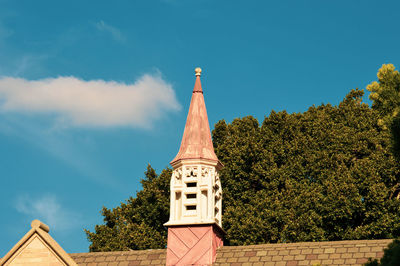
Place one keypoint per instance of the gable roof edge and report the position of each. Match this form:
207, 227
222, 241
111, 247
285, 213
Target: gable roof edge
37, 228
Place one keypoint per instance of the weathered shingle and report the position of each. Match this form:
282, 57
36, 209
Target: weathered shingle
355, 252
121, 258
352, 252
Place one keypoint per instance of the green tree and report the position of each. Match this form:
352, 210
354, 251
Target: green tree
138, 223
385, 94
391, 257
395, 129
325, 174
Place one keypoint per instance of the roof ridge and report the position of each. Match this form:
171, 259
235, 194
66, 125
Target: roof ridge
123, 252
310, 243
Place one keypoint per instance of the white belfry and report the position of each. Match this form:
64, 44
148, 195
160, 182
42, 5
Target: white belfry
196, 194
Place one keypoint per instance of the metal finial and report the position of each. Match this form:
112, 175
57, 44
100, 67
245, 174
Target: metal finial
198, 71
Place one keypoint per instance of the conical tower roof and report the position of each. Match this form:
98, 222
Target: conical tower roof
196, 141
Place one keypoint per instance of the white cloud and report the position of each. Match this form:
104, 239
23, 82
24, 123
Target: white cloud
115, 33
96, 103
48, 210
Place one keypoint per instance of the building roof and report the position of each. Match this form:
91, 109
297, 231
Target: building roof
37, 247
196, 141
351, 252
119, 258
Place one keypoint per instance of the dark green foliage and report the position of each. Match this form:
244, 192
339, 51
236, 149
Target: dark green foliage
395, 130
138, 223
325, 174
391, 257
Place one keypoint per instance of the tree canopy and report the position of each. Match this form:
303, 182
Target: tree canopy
324, 174
138, 223
385, 94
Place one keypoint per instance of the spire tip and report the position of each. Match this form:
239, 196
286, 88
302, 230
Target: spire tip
198, 71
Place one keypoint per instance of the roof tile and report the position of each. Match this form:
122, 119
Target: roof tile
291, 254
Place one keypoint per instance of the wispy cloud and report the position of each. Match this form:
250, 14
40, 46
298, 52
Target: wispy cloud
28, 63
23, 64
96, 103
69, 148
115, 33
48, 209
4, 32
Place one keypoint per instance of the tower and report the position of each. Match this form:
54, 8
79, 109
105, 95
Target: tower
195, 224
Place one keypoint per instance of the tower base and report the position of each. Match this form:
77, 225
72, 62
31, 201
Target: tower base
193, 244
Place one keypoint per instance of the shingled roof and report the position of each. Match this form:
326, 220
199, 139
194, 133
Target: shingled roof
352, 252
355, 252
121, 258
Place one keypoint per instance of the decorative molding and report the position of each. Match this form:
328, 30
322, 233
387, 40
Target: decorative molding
196, 194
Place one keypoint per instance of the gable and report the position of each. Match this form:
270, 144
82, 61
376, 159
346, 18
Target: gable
35, 252
36, 248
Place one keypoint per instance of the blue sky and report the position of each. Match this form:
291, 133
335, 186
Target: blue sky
93, 91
